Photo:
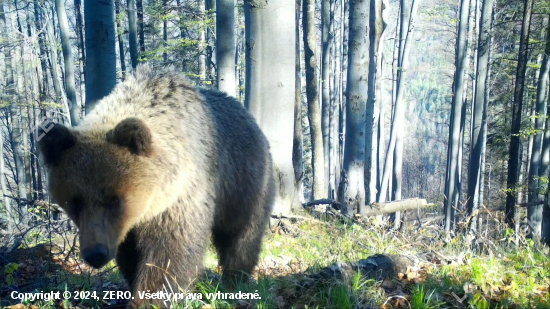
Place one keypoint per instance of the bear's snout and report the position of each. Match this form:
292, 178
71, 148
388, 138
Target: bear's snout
96, 255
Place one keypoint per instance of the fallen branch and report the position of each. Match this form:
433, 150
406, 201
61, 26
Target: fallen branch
326, 201
395, 206
530, 204
379, 208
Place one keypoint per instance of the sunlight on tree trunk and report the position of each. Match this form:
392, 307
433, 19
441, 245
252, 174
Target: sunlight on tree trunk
314, 112
359, 116
225, 45
454, 146
270, 30
534, 213
479, 109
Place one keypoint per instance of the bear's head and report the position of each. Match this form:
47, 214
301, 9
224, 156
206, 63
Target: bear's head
103, 181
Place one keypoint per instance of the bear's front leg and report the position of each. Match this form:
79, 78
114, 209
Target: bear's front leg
165, 256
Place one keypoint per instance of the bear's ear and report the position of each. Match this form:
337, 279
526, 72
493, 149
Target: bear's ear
53, 139
133, 134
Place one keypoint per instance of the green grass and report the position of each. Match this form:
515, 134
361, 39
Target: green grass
506, 272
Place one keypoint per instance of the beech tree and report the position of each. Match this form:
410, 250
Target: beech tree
517, 107
456, 122
132, 33
359, 116
314, 112
225, 45
479, 109
534, 213
100, 50
271, 100
70, 90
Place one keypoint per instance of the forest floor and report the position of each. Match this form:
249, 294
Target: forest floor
311, 263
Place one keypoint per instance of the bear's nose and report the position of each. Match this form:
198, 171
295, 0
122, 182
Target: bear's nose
96, 256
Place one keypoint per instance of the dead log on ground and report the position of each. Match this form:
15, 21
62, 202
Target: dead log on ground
395, 206
379, 208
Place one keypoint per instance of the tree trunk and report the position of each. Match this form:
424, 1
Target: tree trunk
120, 32
11, 213
139, 13
297, 148
334, 134
479, 109
271, 100
453, 175
534, 213
211, 40
544, 168
359, 114
54, 65
326, 44
314, 112
80, 34
23, 96
74, 108
514, 156
377, 26
165, 31
132, 33
202, 41
405, 37
16, 121
379, 89
397, 179
100, 50
225, 45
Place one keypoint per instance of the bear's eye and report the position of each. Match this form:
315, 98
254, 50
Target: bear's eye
113, 202
75, 205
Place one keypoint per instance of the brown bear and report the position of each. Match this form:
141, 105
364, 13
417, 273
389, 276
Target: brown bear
155, 170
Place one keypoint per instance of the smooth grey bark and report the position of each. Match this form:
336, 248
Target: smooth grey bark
211, 40
334, 137
479, 109
132, 33
74, 108
225, 45
457, 197
326, 44
359, 116
534, 213
271, 100
517, 107
100, 50
405, 37
453, 174
120, 31
544, 169
377, 27
397, 180
202, 41
16, 116
297, 148
312, 92
23, 96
